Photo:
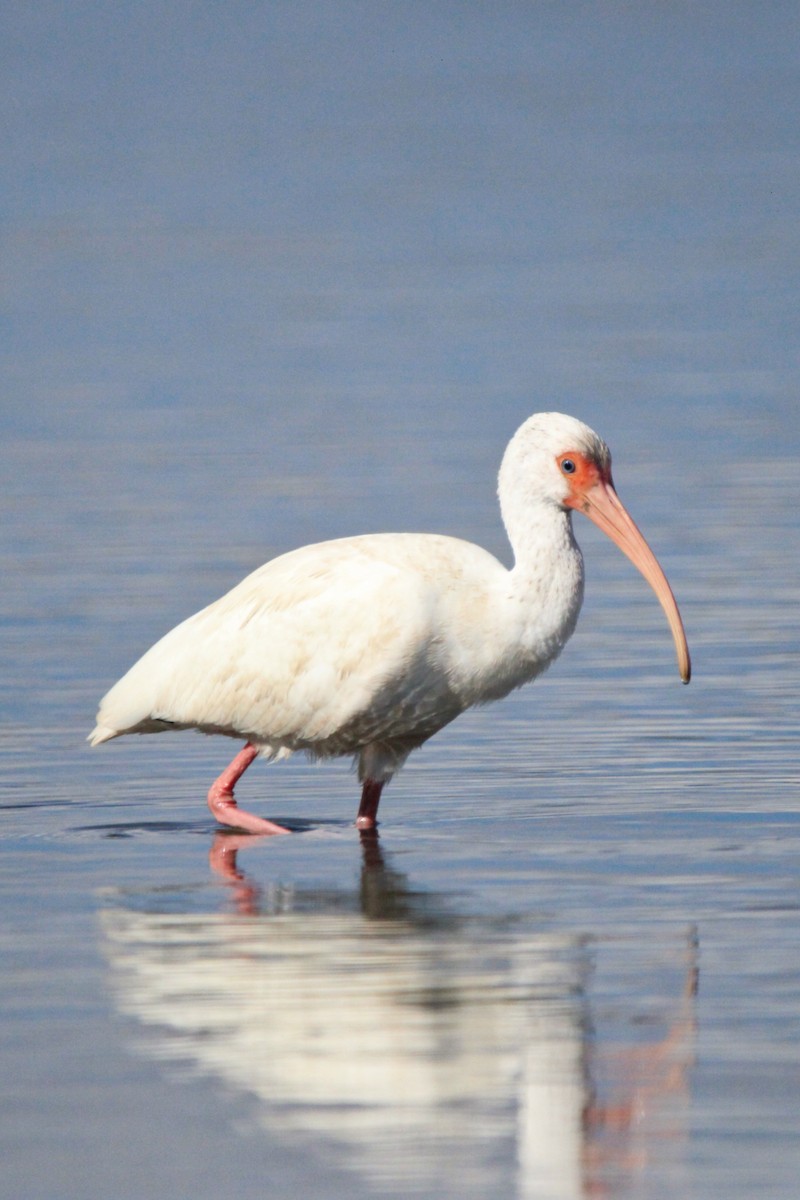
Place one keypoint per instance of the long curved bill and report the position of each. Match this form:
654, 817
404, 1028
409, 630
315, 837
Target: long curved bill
602, 505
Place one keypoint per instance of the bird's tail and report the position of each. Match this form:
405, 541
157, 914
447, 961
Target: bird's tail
102, 733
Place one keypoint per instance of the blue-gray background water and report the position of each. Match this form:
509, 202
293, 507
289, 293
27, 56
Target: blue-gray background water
278, 272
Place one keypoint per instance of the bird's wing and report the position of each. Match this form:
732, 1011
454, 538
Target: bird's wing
312, 643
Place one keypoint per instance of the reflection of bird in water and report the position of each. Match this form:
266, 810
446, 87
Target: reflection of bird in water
436, 1054
368, 646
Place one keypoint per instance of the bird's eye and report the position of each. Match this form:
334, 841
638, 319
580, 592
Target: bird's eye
568, 466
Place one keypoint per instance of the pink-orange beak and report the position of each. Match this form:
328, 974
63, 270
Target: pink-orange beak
601, 504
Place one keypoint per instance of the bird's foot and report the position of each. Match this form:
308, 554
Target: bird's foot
225, 808
227, 812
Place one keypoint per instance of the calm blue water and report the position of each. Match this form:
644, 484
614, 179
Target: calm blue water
285, 272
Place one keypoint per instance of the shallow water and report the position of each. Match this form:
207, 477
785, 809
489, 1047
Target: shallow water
298, 275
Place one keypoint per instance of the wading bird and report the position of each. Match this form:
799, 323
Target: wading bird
367, 646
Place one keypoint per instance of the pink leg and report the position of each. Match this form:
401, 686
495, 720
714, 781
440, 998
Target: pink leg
223, 805
368, 809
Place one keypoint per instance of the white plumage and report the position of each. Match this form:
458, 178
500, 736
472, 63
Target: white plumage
368, 645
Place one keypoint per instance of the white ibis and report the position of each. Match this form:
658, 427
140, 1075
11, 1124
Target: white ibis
367, 646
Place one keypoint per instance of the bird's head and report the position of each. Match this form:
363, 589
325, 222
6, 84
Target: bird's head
556, 461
